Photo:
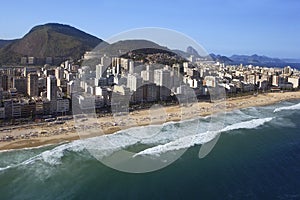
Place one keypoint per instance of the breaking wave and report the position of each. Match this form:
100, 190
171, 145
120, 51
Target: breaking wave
293, 107
168, 137
202, 138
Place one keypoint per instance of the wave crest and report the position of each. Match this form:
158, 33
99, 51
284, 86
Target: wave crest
202, 138
107, 144
293, 107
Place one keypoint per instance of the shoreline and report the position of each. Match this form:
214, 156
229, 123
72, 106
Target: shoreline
51, 134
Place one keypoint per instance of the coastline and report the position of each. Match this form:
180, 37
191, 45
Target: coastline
58, 133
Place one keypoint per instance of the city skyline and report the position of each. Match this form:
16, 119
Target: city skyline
224, 27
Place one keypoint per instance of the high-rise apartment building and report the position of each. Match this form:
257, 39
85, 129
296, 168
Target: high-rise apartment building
32, 84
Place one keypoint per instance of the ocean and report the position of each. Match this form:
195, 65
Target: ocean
257, 156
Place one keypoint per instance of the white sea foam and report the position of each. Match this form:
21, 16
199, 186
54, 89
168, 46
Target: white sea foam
202, 138
30, 148
51, 156
173, 136
293, 107
105, 145
5, 168
247, 124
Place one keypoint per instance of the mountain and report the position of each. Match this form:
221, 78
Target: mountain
255, 59
220, 58
190, 50
137, 50
211, 57
3, 43
50, 40
181, 53
238, 59
126, 46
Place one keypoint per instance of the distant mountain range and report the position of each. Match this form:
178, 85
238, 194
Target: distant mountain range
220, 58
238, 59
63, 41
255, 59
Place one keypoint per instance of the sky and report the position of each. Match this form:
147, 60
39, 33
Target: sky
227, 27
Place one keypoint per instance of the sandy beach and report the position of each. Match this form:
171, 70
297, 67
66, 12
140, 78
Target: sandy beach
34, 135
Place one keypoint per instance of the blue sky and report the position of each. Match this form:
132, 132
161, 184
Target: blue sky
264, 27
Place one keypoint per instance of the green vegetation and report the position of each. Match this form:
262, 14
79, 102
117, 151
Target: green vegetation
124, 47
49, 40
